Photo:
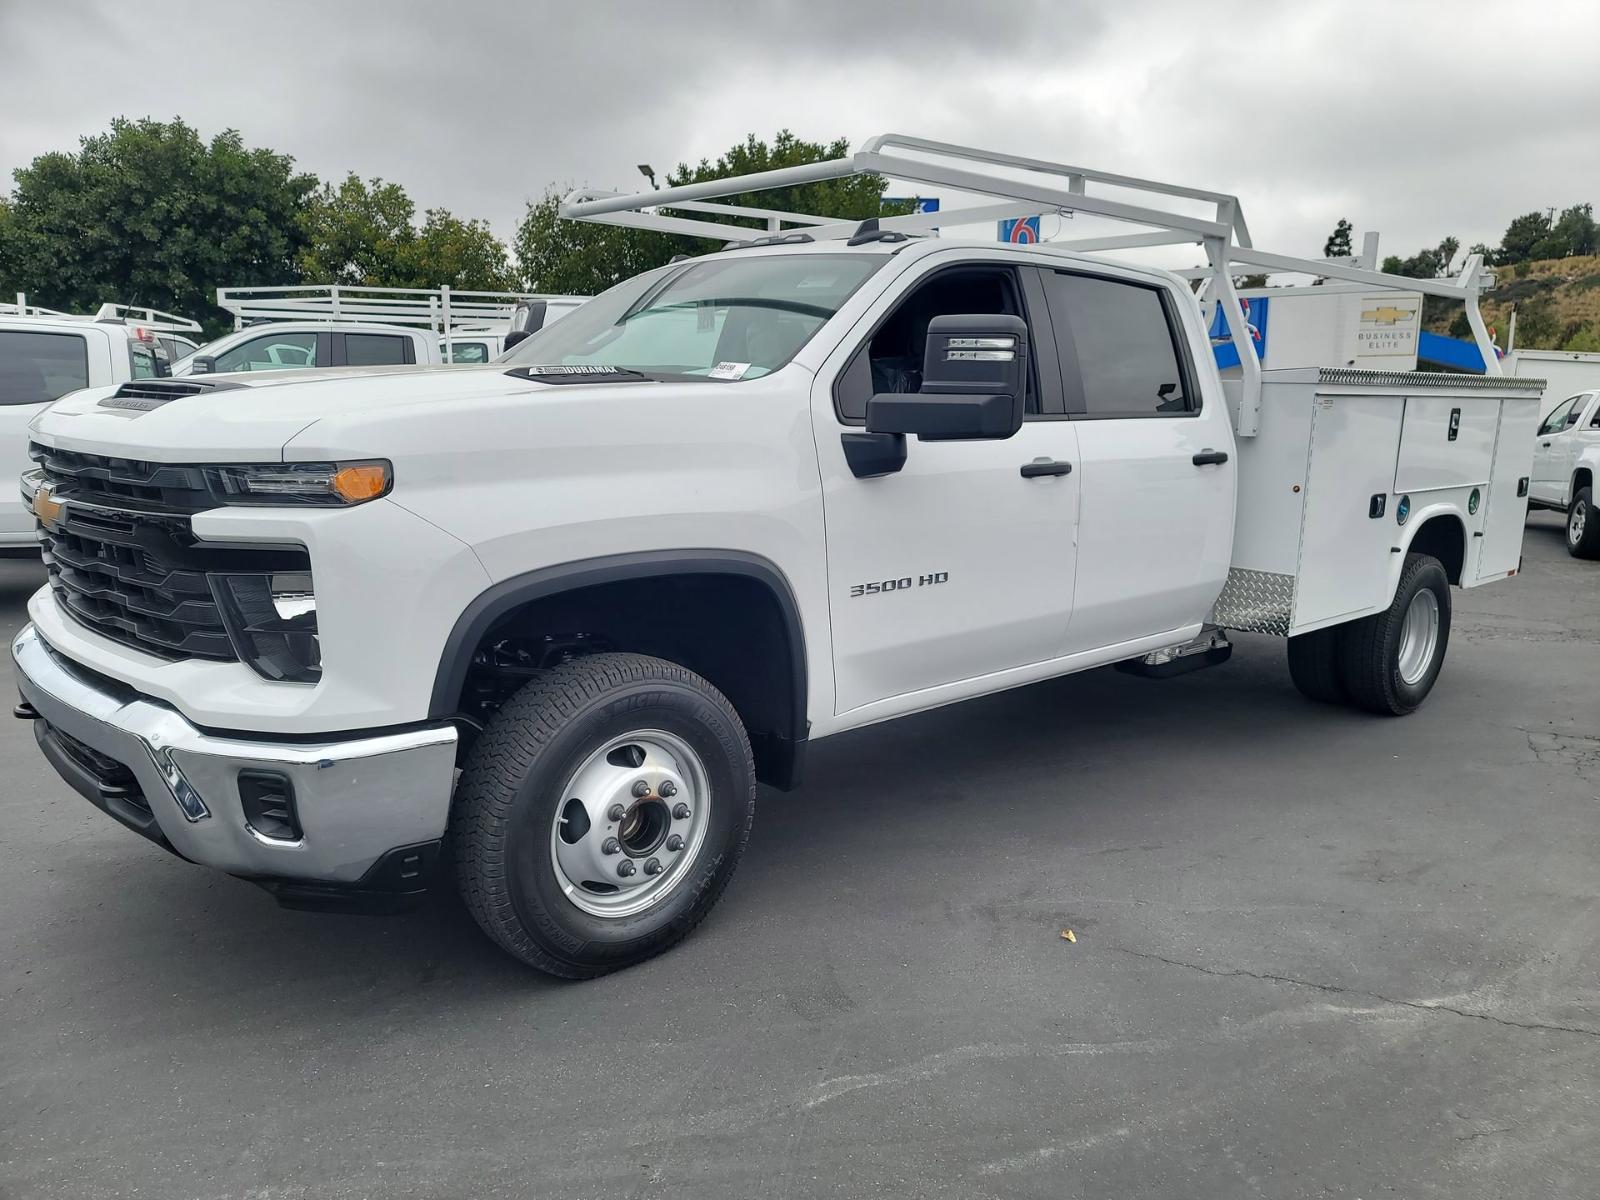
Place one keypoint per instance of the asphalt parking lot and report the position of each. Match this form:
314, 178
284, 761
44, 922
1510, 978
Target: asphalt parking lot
1318, 953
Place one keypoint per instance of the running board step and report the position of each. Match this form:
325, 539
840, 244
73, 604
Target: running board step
1211, 649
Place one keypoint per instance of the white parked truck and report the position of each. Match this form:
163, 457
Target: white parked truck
556, 616
1566, 464
45, 354
370, 326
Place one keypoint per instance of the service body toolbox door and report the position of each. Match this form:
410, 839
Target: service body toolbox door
1499, 550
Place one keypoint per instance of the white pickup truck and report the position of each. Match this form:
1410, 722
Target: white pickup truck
1566, 463
45, 354
556, 616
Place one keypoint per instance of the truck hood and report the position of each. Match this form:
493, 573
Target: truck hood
251, 417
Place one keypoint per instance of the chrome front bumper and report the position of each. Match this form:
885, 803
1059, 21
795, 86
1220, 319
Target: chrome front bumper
356, 799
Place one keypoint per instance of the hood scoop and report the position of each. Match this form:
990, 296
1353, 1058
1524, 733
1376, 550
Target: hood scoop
142, 395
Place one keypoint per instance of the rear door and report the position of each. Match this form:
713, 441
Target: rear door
1155, 534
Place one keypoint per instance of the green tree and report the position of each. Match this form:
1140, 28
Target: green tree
364, 234
357, 233
1447, 254
1522, 236
149, 213
1424, 264
1586, 340
583, 258
1538, 327
1573, 232
462, 254
1339, 244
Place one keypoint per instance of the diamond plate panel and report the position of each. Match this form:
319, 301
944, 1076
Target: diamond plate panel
1256, 602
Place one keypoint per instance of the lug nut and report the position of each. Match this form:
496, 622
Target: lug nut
668, 789
641, 789
680, 810
626, 868
610, 846
674, 843
615, 812
652, 866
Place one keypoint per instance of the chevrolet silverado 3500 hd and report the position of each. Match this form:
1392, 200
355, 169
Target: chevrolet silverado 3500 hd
557, 615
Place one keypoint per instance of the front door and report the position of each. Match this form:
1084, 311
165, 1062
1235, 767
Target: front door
1155, 534
957, 565
1551, 466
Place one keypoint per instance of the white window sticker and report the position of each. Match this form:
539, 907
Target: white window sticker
729, 370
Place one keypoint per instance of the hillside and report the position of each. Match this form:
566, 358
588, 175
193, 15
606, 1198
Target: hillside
1557, 300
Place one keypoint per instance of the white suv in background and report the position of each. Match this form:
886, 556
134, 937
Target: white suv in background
296, 345
42, 358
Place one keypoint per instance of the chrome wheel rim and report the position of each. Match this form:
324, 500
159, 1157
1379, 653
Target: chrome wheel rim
1576, 522
1419, 636
630, 823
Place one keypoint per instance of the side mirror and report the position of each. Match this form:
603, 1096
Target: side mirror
515, 336
974, 383
528, 316
202, 364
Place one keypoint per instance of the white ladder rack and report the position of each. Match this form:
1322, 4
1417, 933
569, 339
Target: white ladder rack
1008, 185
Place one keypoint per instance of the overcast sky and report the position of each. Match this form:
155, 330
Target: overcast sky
1415, 119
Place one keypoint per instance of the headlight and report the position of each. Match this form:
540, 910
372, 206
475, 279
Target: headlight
273, 621
301, 483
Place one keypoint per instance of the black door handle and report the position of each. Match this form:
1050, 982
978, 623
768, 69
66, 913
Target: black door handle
1034, 470
1208, 458
1546, 445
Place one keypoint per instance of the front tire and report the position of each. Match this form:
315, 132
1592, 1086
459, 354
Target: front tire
601, 813
1583, 526
1391, 660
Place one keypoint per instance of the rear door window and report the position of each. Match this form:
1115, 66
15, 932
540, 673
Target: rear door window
374, 349
38, 367
1121, 335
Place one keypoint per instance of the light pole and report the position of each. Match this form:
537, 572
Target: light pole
649, 173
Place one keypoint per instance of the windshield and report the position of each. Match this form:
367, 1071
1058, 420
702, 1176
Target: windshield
718, 318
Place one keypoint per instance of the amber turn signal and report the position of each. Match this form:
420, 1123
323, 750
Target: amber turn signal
362, 481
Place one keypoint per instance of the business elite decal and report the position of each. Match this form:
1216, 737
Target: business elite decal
1255, 322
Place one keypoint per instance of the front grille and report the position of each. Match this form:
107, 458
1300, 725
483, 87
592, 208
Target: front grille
116, 573
124, 562
154, 487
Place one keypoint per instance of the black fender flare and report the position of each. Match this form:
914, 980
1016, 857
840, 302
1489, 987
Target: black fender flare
509, 594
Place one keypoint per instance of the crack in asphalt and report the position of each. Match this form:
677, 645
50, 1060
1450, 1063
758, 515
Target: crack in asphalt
1334, 989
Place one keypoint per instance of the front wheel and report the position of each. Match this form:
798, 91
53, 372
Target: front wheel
602, 812
1390, 661
1583, 526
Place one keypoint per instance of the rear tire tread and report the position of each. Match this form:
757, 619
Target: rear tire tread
1368, 647
1588, 546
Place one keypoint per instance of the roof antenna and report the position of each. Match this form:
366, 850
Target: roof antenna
868, 231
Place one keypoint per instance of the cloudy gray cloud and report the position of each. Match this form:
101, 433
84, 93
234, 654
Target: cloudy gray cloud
1417, 119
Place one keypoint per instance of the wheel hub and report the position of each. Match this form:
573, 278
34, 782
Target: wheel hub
631, 824
1419, 636
1576, 523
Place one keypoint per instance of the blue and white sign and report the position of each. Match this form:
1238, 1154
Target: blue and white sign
1255, 322
919, 204
1020, 231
